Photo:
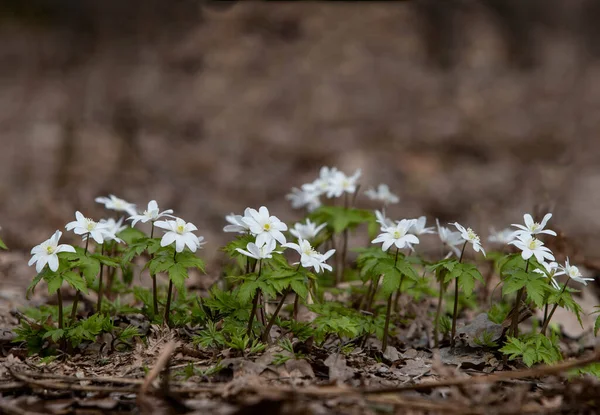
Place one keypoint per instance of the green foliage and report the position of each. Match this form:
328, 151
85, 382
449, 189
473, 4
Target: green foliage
565, 300
3, 245
536, 285
498, 312
533, 348
486, 339
240, 241
597, 323
339, 218
592, 369
466, 274
343, 322
209, 337
174, 264
445, 325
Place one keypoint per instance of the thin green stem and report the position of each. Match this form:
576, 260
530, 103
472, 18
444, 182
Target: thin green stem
169, 295
514, 326
388, 311
455, 311
61, 323
254, 302
265, 335
100, 286
154, 286
438, 313
547, 322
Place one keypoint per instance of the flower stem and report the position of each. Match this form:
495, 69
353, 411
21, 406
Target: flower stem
61, 323
438, 313
455, 311
547, 321
375, 285
514, 325
265, 335
388, 311
169, 295
100, 286
254, 302
154, 287
75, 305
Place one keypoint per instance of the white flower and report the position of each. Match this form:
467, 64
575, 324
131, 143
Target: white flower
449, 238
552, 270
531, 246
111, 229
573, 272
339, 184
237, 223
322, 184
309, 257
152, 213
383, 194
534, 228
181, 233
501, 237
396, 235
264, 226
382, 220
45, 253
307, 197
114, 203
418, 226
307, 231
259, 252
87, 227
469, 236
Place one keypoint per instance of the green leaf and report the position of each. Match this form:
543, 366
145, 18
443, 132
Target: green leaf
106, 260
514, 282
189, 260
75, 281
241, 241
300, 288
55, 334
54, 281
36, 281
597, 326
247, 290
339, 218
178, 274
131, 235
3, 245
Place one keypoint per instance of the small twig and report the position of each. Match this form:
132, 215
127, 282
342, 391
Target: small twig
161, 362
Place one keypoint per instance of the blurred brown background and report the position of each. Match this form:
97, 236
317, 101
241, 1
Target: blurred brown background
476, 111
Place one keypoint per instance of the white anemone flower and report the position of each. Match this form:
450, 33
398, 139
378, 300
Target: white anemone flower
307, 197
469, 236
382, 194
112, 228
449, 238
46, 253
151, 214
573, 273
552, 269
397, 235
322, 184
181, 233
236, 223
259, 252
502, 237
382, 220
531, 246
264, 226
534, 228
339, 184
309, 257
418, 227
308, 230
87, 228
114, 203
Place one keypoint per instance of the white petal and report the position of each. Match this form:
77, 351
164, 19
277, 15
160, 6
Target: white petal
179, 244
53, 262
168, 238
545, 220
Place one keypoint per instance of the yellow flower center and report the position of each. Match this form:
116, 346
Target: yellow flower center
472, 235
180, 229
90, 224
267, 227
397, 235
533, 244
50, 250
535, 226
573, 272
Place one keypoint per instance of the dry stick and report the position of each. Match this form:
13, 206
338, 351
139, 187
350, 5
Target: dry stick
514, 326
455, 311
161, 362
169, 295
254, 302
100, 287
547, 321
76, 300
265, 336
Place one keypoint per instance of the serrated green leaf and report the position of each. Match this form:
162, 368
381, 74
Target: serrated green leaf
514, 282
36, 281
390, 283
54, 281
75, 280
597, 326
55, 334
300, 288
339, 218
537, 289
178, 274
106, 260
190, 260
3, 245
130, 235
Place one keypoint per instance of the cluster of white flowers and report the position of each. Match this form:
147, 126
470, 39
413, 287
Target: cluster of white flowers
331, 183
268, 231
526, 239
